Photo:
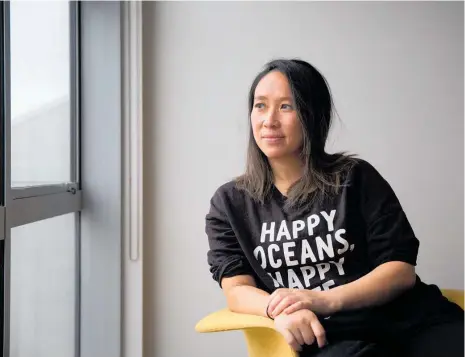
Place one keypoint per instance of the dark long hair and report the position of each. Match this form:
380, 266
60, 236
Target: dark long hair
323, 173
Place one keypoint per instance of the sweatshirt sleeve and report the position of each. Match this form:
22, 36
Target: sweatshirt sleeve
225, 256
390, 236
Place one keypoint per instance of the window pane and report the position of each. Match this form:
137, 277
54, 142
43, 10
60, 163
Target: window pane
40, 92
43, 293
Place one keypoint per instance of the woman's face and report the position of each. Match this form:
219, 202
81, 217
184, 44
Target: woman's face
275, 125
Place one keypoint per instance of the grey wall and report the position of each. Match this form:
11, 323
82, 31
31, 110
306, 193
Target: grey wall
396, 71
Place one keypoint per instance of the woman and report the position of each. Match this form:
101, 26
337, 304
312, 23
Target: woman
319, 242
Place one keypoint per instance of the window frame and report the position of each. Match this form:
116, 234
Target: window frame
101, 178
96, 195
43, 190
2, 108
24, 205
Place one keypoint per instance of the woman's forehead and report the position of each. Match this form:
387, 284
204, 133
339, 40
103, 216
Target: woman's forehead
274, 84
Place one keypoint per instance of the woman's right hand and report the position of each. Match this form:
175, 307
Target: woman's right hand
300, 328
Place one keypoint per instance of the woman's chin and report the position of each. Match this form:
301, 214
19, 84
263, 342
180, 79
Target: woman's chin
276, 154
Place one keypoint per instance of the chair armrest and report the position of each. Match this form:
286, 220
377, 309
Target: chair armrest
261, 337
226, 320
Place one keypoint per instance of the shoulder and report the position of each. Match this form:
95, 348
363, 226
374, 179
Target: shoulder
228, 194
228, 200
366, 181
363, 171
226, 189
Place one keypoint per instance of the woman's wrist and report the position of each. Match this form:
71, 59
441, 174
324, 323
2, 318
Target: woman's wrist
334, 300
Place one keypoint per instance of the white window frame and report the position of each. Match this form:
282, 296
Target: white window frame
106, 192
24, 205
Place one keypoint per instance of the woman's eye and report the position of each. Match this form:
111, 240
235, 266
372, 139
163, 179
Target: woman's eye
259, 105
286, 106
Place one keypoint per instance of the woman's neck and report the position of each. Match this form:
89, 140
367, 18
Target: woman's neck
286, 172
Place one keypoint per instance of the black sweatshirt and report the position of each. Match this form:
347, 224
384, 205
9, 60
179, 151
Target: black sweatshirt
332, 242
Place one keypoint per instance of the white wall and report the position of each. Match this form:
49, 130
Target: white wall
396, 71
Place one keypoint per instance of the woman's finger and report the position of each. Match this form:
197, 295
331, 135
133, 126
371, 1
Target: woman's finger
275, 299
318, 331
298, 340
283, 304
307, 335
298, 336
291, 340
298, 305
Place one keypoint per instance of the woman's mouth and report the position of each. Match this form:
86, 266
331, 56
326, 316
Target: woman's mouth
272, 139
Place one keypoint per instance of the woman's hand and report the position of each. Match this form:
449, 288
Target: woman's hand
288, 301
300, 328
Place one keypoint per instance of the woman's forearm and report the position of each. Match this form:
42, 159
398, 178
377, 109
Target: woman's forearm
378, 287
248, 300
243, 296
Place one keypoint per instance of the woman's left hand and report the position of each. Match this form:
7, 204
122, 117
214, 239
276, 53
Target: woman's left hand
288, 301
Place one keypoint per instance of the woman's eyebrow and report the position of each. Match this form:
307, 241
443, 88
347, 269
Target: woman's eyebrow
262, 97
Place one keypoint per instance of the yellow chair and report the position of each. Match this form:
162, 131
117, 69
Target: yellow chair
261, 337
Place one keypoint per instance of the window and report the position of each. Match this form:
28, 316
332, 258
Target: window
43, 288
40, 190
40, 93
61, 105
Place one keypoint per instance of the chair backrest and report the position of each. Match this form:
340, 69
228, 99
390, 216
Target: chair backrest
456, 296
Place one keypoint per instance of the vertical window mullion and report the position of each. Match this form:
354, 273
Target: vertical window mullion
74, 91
75, 155
5, 248
6, 101
2, 106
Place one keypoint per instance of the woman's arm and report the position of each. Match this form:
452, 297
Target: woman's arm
243, 296
228, 264
298, 329
392, 246
378, 287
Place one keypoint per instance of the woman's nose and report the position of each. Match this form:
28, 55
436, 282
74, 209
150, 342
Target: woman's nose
270, 119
